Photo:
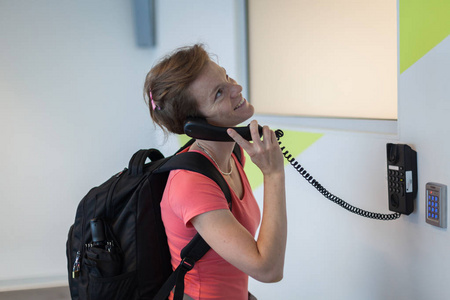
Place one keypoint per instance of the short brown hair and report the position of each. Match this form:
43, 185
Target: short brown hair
167, 84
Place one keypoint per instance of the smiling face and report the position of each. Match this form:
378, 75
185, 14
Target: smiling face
219, 97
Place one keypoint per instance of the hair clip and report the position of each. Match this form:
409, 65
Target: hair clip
154, 106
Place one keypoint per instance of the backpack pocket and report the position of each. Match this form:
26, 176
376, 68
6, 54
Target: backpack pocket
103, 263
115, 288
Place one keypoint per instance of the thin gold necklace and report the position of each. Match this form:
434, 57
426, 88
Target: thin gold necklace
207, 153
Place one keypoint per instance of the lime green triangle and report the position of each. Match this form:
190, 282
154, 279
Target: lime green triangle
423, 25
294, 141
183, 139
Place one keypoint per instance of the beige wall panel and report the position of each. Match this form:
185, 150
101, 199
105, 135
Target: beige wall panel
326, 58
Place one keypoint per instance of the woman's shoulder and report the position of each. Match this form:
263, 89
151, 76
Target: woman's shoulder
189, 180
191, 193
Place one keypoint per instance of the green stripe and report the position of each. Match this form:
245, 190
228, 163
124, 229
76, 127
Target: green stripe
423, 25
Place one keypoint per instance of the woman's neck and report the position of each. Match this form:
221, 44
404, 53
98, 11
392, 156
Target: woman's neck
220, 152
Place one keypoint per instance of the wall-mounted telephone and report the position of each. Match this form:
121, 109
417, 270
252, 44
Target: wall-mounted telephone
198, 128
402, 177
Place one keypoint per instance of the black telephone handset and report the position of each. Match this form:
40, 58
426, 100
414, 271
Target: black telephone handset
198, 128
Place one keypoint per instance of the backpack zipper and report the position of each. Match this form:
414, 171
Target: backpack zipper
77, 266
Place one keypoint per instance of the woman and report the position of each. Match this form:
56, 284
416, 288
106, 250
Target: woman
188, 83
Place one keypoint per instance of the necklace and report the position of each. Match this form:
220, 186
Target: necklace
207, 153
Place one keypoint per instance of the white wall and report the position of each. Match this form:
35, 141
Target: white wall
72, 114
333, 254
72, 110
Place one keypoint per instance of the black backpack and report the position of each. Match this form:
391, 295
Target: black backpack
117, 247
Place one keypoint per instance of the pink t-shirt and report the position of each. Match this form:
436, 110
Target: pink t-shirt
187, 195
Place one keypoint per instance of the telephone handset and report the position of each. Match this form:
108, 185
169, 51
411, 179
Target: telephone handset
198, 128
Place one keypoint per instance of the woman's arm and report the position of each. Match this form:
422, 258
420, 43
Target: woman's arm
262, 259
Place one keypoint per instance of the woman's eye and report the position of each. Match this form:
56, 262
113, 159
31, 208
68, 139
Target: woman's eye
219, 93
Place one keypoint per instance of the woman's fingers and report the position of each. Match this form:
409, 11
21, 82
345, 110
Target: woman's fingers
239, 139
247, 145
254, 131
265, 153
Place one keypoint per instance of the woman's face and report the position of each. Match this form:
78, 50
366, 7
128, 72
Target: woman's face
219, 97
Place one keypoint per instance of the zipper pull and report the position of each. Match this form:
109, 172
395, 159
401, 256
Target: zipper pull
109, 246
76, 266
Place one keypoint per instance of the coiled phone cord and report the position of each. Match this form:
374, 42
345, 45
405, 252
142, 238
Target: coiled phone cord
378, 216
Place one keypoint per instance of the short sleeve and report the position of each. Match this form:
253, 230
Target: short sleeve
190, 194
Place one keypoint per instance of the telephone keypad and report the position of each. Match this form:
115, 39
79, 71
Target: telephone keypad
397, 181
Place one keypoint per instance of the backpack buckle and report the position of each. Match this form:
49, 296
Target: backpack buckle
187, 263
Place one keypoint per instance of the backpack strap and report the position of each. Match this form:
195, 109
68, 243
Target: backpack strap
197, 247
137, 161
238, 153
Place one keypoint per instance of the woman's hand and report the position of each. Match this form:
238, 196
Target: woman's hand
266, 153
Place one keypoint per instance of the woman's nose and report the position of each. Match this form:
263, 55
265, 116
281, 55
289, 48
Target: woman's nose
236, 89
